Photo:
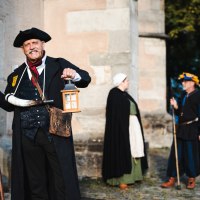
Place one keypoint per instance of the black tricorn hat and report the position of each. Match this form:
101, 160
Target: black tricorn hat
28, 34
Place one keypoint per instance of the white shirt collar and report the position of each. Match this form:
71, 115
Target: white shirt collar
39, 68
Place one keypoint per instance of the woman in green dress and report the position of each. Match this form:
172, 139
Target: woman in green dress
124, 154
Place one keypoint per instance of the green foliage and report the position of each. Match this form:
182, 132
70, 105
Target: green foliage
182, 20
182, 16
183, 27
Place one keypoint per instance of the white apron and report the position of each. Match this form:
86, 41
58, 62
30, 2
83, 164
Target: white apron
135, 137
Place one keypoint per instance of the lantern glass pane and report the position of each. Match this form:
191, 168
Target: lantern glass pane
67, 97
73, 96
68, 105
74, 105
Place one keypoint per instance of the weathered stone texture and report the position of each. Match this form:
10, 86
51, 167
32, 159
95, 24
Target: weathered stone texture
119, 41
89, 157
73, 5
117, 3
1, 47
151, 16
14, 16
90, 125
152, 73
101, 37
108, 20
157, 132
5, 160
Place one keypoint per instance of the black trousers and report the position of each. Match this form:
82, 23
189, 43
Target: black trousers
40, 157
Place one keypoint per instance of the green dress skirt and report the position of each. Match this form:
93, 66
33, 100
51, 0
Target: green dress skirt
135, 175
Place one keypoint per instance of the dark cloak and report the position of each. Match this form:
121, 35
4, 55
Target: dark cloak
64, 146
116, 152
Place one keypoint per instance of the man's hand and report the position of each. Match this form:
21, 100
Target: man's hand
173, 103
68, 74
199, 137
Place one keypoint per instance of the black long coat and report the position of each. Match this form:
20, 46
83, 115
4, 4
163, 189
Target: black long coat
117, 153
64, 146
188, 112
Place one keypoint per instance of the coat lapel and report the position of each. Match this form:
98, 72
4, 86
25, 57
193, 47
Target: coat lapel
52, 68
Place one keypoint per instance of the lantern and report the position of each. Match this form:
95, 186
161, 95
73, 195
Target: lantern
70, 98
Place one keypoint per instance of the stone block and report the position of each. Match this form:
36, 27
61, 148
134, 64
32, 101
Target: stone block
77, 47
151, 95
158, 130
2, 48
101, 75
77, 4
155, 47
91, 101
146, 83
100, 20
89, 123
89, 156
119, 41
95, 145
2, 122
117, 3
145, 5
151, 22
5, 161
152, 105
113, 59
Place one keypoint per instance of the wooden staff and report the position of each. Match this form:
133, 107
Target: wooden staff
175, 147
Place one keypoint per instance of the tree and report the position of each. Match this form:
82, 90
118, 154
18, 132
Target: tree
182, 16
183, 28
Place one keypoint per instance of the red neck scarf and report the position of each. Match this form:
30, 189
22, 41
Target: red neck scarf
33, 68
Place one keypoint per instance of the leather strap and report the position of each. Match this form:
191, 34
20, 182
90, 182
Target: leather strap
38, 86
40, 91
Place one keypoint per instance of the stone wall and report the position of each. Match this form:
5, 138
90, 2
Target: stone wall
94, 35
103, 37
145, 58
158, 134
14, 16
152, 57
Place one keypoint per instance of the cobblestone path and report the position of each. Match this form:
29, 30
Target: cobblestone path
149, 189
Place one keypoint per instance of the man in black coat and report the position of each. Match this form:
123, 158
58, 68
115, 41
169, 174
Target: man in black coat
43, 165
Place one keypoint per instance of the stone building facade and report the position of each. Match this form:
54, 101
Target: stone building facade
103, 37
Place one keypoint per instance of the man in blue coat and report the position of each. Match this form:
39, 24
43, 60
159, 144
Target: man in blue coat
187, 134
43, 165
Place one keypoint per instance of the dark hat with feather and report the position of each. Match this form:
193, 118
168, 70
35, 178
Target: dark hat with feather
185, 76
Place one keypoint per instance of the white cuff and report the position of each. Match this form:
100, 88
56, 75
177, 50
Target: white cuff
76, 78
